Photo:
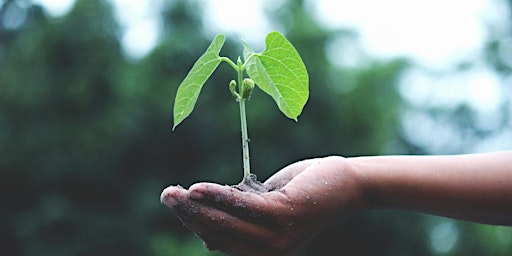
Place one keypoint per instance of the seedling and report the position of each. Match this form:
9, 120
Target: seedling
278, 71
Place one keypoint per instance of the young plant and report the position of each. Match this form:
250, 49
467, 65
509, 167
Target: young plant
278, 71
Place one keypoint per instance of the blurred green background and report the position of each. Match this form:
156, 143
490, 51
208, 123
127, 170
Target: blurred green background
86, 145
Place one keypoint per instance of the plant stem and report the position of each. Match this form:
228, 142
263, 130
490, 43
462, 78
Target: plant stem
245, 140
243, 124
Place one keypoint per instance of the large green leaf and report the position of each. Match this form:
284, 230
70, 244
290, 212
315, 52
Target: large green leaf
189, 89
280, 72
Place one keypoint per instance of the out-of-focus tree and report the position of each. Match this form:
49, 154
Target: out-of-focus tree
61, 130
84, 140
499, 49
463, 126
86, 146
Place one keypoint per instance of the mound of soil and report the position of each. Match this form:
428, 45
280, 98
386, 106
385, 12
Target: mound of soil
251, 184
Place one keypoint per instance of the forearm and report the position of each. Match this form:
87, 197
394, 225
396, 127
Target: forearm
469, 187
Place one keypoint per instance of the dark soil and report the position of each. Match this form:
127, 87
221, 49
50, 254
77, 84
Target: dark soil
251, 184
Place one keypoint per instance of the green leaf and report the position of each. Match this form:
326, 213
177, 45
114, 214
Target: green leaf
247, 50
280, 72
189, 89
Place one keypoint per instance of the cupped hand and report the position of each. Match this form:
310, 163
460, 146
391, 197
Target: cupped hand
303, 199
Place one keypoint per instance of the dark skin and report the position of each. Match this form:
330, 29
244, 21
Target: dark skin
307, 196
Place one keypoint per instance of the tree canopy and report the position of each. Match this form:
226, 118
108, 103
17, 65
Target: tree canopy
86, 144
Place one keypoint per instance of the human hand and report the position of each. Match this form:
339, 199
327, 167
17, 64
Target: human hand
303, 199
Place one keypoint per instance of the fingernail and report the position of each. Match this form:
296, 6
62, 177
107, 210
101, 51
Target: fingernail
166, 199
196, 195
170, 201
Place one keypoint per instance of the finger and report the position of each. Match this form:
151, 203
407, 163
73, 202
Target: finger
172, 194
222, 231
225, 223
189, 210
186, 210
234, 246
244, 205
227, 233
237, 237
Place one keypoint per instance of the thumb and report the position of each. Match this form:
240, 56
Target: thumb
285, 175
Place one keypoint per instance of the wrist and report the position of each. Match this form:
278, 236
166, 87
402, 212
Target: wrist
352, 187
363, 170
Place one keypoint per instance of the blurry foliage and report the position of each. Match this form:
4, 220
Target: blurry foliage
499, 49
86, 147
467, 126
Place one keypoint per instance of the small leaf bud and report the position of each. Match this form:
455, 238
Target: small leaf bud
247, 87
232, 89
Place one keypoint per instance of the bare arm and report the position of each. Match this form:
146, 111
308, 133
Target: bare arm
475, 187
305, 197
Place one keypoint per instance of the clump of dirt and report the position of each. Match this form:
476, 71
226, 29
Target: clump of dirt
251, 184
